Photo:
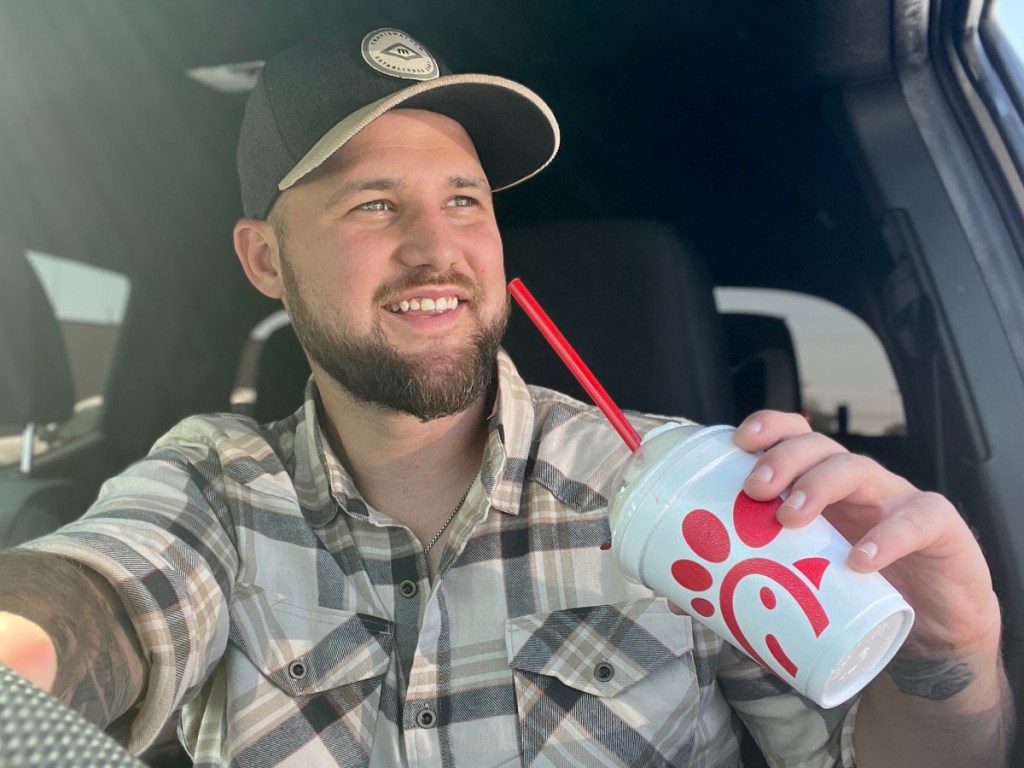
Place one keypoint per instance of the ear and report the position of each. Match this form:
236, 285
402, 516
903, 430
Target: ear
257, 248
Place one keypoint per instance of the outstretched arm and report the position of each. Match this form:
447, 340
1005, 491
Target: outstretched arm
944, 700
64, 628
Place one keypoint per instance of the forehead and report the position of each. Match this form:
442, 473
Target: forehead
402, 136
400, 145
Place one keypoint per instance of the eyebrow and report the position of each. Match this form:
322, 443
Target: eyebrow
477, 182
361, 185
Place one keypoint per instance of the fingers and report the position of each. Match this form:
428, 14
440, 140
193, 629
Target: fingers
776, 470
882, 514
922, 522
763, 429
818, 474
791, 449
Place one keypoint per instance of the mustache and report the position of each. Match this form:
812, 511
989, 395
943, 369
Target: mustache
424, 277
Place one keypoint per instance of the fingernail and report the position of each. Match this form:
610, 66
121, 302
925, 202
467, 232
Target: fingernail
753, 426
795, 500
869, 548
762, 474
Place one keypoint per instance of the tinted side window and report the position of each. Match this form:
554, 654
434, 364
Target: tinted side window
1009, 15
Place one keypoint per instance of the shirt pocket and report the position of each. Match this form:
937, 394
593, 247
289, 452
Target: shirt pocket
610, 685
302, 673
306, 649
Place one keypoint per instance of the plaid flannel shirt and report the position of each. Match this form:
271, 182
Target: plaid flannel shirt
294, 625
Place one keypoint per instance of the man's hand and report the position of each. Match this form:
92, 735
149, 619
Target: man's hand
28, 650
920, 541
945, 699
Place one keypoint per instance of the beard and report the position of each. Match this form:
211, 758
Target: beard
428, 385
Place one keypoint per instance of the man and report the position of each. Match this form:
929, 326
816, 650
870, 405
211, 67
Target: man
408, 570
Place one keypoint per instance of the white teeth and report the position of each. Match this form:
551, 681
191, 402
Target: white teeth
426, 304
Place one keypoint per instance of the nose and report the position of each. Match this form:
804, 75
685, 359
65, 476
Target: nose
429, 240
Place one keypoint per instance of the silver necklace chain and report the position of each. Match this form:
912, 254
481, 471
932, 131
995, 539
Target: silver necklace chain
451, 517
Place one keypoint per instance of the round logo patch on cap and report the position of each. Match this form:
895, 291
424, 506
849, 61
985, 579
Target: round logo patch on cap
395, 53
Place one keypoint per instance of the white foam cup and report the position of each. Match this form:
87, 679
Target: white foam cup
682, 526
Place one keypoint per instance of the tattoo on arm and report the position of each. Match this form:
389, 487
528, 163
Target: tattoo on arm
934, 679
101, 671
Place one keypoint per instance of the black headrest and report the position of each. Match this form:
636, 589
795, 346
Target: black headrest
281, 376
636, 305
35, 377
762, 362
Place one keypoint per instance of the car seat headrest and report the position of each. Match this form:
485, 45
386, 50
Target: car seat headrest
762, 363
35, 375
636, 304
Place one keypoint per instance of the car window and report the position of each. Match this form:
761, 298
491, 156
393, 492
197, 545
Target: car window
990, 50
1009, 14
1002, 35
89, 303
841, 363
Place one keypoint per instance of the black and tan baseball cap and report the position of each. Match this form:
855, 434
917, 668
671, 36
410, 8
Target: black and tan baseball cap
312, 98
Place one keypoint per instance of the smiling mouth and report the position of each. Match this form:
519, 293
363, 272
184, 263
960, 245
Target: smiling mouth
443, 304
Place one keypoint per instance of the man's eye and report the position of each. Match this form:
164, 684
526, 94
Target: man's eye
375, 205
461, 201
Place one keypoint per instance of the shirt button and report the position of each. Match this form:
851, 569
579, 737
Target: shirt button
297, 669
426, 718
604, 672
407, 588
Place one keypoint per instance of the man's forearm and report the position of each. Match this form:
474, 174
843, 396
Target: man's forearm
100, 668
934, 712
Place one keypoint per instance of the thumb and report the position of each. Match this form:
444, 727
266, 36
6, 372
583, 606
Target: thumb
28, 650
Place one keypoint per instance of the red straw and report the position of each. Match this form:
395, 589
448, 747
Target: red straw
572, 360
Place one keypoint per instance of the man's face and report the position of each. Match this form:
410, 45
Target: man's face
392, 266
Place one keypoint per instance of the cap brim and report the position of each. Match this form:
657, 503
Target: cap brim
514, 131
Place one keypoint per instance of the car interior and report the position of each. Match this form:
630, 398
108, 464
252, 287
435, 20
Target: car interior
855, 154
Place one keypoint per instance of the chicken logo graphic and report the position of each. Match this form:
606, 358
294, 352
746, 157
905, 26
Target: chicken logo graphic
756, 526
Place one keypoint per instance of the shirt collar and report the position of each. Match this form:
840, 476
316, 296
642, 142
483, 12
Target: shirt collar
322, 483
509, 439
324, 486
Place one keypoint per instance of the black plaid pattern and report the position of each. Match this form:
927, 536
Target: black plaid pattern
242, 550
